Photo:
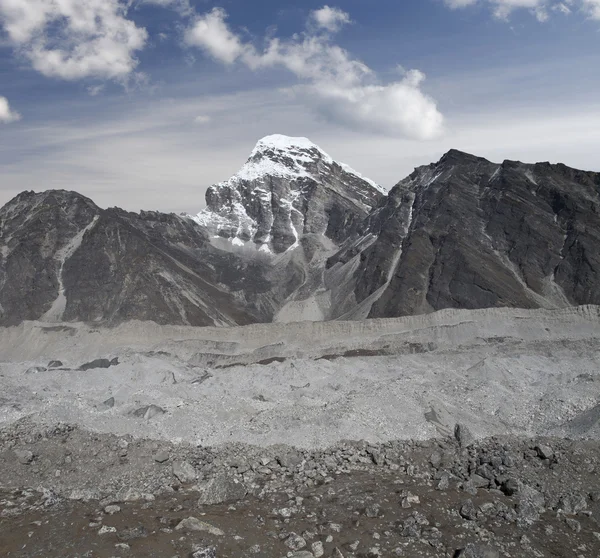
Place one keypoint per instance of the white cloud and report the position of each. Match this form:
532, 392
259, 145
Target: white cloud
334, 84
331, 19
539, 8
7, 115
592, 7
211, 33
74, 39
202, 119
182, 6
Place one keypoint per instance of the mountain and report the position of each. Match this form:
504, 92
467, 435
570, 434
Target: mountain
288, 188
468, 233
65, 259
296, 236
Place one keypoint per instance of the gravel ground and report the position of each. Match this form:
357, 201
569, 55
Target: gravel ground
100, 495
230, 427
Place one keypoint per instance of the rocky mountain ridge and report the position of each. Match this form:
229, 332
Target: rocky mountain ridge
297, 236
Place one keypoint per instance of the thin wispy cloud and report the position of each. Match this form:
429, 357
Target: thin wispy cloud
541, 9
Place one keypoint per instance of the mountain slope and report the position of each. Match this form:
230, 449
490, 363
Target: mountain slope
468, 233
65, 259
296, 236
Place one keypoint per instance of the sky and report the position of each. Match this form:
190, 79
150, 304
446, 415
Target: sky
143, 104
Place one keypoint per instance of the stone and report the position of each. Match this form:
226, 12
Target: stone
317, 549
148, 412
477, 551
221, 489
435, 459
530, 505
105, 529
36, 370
208, 552
463, 435
444, 482
132, 533
372, 511
109, 403
185, 472
290, 460
337, 553
468, 510
510, 487
98, 363
55, 364
545, 452
112, 509
161, 456
194, 524
25, 457
573, 524
295, 542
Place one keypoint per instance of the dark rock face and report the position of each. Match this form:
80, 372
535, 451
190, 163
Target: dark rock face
65, 259
467, 233
295, 235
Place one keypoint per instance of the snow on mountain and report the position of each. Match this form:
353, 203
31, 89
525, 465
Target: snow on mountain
288, 187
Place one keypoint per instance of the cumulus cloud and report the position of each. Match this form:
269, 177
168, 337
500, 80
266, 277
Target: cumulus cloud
331, 19
539, 8
74, 39
7, 115
337, 86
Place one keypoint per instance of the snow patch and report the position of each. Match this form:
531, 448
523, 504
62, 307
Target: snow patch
59, 305
530, 177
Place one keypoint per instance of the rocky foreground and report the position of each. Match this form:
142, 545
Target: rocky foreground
67, 492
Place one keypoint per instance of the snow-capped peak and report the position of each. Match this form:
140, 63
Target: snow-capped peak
289, 157
286, 143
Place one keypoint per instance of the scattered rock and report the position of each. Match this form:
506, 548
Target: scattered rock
290, 460
148, 412
573, 524
221, 489
531, 504
194, 524
463, 435
468, 510
317, 549
25, 457
161, 456
510, 487
477, 551
36, 370
295, 542
208, 552
109, 403
105, 529
99, 363
545, 452
184, 472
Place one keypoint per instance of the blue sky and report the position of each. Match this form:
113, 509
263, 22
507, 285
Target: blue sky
145, 103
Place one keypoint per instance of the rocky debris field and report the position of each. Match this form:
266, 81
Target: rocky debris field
68, 492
